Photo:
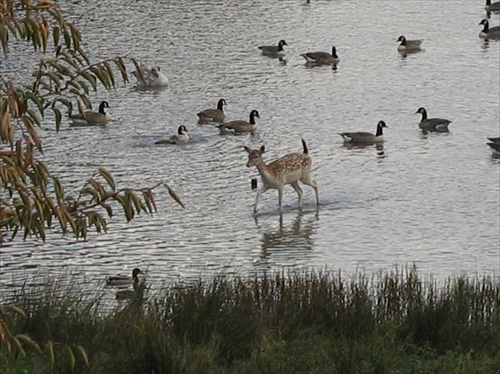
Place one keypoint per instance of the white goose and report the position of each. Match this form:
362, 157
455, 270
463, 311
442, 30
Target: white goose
150, 78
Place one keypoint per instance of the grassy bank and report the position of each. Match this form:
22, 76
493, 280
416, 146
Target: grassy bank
307, 323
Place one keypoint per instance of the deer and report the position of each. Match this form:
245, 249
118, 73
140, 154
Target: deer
289, 169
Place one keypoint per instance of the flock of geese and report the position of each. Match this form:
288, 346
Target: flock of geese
291, 168
152, 78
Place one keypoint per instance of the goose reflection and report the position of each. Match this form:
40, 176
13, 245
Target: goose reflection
289, 241
379, 148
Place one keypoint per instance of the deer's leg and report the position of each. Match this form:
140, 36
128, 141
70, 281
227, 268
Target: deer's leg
311, 182
280, 196
259, 192
297, 189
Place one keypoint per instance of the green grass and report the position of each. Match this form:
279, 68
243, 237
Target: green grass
284, 323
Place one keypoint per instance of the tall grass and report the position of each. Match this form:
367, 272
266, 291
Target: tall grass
312, 322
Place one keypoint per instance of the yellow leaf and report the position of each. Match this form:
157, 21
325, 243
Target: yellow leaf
172, 194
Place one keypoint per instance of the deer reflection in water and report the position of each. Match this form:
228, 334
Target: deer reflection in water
288, 243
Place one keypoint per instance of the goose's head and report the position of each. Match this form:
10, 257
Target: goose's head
254, 114
282, 43
401, 39
423, 112
221, 103
103, 106
182, 130
155, 71
136, 272
484, 22
382, 124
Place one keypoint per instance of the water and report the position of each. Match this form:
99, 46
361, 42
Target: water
430, 200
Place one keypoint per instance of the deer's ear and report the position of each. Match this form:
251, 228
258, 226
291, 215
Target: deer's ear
262, 149
246, 148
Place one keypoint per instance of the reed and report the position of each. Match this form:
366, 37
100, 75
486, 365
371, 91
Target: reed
281, 323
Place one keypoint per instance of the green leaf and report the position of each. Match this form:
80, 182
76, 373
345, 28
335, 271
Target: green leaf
108, 208
67, 39
35, 99
121, 66
71, 356
52, 356
172, 194
108, 177
18, 345
58, 189
56, 78
27, 340
83, 355
58, 115
17, 310
90, 78
31, 114
55, 35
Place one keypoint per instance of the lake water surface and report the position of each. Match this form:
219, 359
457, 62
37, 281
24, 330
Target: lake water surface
432, 200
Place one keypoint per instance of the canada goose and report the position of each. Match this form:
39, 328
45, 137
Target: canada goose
432, 124
182, 137
125, 294
495, 147
489, 32
90, 117
322, 58
212, 115
239, 127
121, 280
274, 50
409, 45
495, 7
365, 137
136, 293
151, 78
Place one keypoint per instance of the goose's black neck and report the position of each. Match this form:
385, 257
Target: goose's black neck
101, 107
252, 118
486, 27
379, 130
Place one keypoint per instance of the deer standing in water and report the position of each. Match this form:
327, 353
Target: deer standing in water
289, 169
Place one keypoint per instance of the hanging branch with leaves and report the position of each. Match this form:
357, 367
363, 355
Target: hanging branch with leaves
32, 198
